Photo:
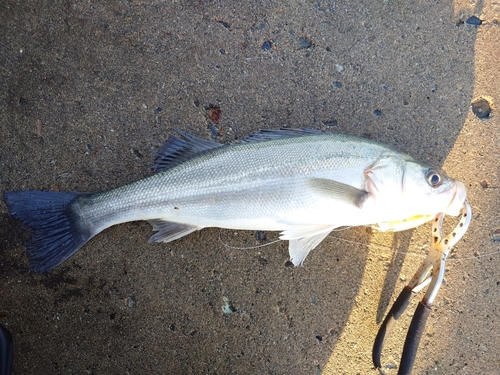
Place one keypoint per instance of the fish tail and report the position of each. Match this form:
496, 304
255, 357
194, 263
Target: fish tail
58, 231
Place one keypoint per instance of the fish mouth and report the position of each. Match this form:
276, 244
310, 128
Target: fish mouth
457, 202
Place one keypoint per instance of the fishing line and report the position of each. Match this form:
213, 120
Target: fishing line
229, 247
393, 252
476, 256
414, 254
374, 244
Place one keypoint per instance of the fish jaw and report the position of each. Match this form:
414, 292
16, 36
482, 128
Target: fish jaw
455, 195
399, 225
457, 202
403, 198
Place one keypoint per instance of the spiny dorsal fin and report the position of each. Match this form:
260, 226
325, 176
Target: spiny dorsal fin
176, 150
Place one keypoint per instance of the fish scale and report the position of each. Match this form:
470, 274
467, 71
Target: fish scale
303, 183
273, 173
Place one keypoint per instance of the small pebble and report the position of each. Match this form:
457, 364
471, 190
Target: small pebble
337, 84
260, 235
225, 24
288, 264
266, 46
481, 108
262, 261
304, 43
137, 153
473, 21
213, 113
158, 110
319, 338
390, 366
222, 51
39, 127
227, 307
130, 302
213, 129
339, 68
331, 122
377, 112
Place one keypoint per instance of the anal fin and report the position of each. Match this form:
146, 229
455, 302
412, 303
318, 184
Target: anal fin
303, 240
169, 231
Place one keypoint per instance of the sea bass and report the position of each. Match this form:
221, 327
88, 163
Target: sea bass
302, 182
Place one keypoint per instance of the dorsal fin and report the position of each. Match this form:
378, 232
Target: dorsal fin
176, 150
272, 134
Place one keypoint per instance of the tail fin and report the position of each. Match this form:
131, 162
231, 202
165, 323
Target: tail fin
57, 230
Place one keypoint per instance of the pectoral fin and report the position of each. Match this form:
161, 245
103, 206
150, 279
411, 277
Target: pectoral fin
168, 231
337, 190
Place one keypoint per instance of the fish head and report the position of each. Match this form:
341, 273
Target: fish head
406, 189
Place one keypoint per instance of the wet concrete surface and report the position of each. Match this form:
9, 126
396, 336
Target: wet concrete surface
90, 91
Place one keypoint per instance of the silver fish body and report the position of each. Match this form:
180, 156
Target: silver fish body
303, 183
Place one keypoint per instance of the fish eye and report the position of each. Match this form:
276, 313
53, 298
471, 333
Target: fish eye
433, 177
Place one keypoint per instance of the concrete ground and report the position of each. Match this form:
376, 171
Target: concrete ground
89, 91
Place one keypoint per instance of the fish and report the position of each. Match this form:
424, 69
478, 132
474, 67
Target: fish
301, 182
